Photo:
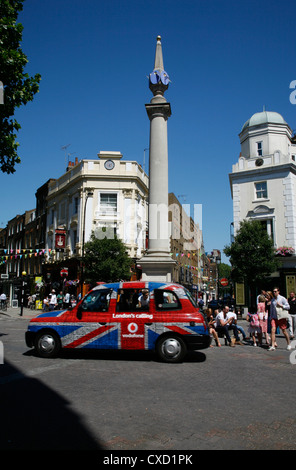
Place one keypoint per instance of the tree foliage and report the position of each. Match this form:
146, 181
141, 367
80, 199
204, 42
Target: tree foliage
251, 254
224, 270
19, 87
106, 260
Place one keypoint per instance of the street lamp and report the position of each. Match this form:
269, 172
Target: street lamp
88, 194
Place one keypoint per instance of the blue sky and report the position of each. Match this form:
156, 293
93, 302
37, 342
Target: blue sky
226, 60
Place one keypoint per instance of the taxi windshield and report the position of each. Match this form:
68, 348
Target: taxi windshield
96, 301
191, 298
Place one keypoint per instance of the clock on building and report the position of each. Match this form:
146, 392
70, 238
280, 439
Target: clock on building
109, 164
259, 162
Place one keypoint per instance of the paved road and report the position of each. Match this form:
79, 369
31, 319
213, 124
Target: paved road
220, 398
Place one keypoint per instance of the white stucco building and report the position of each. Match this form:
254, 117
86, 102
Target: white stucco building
263, 182
107, 196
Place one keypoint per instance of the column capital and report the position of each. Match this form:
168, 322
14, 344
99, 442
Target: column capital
158, 110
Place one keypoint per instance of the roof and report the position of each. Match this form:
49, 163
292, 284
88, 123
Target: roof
264, 117
150, 285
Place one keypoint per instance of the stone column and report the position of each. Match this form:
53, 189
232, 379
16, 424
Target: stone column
157, 264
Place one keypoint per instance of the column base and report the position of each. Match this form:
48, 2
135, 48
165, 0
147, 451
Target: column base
157, 268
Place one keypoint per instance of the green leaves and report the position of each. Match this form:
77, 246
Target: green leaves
106, 260
19, 87
251, 254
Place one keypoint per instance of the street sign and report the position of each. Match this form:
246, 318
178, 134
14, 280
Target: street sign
64, 272
60, 240
224, 282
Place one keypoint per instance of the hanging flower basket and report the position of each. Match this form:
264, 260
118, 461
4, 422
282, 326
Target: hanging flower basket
284, 251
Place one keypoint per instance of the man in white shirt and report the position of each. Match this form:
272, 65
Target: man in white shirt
233, 316
223, 323
53, 300
2, 299
144, 299
279, 305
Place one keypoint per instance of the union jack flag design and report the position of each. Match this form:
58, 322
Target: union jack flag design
128, 335
103, 319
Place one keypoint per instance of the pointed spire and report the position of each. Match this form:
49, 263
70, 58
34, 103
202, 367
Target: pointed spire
158, 79
158, 65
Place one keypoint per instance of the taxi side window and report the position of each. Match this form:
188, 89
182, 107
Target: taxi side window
166, 300
97, 301
132, 300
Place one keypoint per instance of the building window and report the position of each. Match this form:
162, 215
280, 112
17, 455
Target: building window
73, 241
76, 205
268, 226
108, 203
62, 211
261, 190
259, 149
52, 217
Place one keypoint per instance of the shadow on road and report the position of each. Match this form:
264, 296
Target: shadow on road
34, 417
119, 355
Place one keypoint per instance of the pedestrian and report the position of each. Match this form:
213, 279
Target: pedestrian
67, 301
3, 300
212, 326
201, 303
254, 327
263, 317
223, 323
268, 297
240, 329
46, 304
292, 303
53, 300
263, 292
279, 308
73, 301
60, 300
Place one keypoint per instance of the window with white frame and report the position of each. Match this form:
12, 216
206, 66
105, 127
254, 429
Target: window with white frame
261, 190
108, 203
268, 226
259, 149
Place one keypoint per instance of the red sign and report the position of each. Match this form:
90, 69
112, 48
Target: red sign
224, 282
60, 239
64, 272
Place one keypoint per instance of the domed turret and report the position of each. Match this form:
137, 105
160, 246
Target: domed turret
263, 118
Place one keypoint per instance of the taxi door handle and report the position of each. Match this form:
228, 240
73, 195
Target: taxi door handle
148, 324
102, 323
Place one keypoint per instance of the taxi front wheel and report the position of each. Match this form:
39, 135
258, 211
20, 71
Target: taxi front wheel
47, 344
171, 349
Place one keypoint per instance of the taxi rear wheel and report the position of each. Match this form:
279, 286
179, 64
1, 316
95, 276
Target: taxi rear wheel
171, 348
47, 344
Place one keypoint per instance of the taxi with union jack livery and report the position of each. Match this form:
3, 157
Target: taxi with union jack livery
135, 315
